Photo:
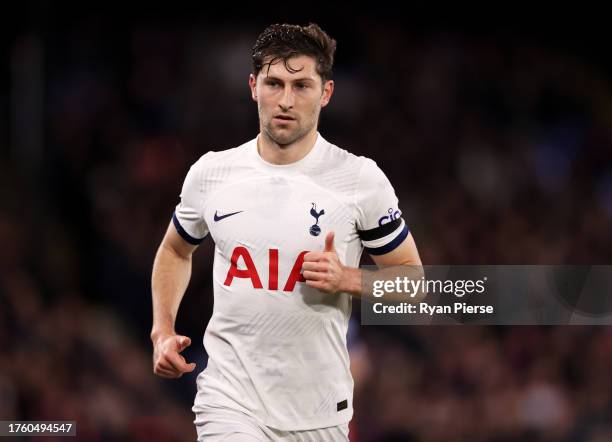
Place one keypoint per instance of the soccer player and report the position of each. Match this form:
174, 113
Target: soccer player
290, 215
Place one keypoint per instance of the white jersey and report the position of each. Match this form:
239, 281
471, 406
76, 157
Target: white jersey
277, 348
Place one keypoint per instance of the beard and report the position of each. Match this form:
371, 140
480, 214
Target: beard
286, 134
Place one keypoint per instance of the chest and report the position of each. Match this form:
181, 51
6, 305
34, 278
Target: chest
289, 215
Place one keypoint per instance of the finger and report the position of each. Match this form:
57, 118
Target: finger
313, 256
169, 374
329, 242
315, 284
315, 266
178, 363
183, 342
164, 368
314, 276
164, 364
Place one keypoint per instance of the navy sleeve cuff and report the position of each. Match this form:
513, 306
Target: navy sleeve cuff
390, 246
379, 232
186, 236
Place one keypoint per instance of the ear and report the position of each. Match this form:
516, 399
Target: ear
253, 86
328, 90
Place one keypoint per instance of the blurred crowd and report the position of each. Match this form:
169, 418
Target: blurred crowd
65, 359
499, 148
489, 384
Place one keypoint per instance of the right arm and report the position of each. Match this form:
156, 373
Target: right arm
171, 274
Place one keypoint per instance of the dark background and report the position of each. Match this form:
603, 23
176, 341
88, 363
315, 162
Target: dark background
494, 126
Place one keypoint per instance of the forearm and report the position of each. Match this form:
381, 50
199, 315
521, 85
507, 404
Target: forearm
352, 281
360, 283
171, 274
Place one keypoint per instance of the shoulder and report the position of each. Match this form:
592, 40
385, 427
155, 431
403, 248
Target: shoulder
340, 156
343, 161
346, 172
216, 165
363, 168
215, 159
215, 169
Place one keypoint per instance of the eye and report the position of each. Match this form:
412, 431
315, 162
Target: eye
301, 86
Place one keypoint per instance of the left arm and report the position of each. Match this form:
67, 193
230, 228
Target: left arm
324, 271
385, 236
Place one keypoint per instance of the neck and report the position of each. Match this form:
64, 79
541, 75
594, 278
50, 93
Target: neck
274, 153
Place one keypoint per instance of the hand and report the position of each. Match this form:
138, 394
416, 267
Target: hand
167, 362
323, 270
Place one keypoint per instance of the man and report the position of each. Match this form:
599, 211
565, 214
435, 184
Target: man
290, 215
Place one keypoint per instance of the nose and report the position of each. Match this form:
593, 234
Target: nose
287, 99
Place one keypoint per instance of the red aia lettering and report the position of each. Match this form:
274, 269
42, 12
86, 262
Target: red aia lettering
251, 270
295, 275
273, 281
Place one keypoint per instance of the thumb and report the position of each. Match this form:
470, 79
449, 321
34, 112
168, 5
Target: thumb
183, 342
329, 242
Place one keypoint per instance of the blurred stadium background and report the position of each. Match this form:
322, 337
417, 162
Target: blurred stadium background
497, 138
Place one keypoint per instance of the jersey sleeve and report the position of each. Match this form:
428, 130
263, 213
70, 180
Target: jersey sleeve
188, 217
380, 225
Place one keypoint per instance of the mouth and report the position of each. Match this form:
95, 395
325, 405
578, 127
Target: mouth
283, 118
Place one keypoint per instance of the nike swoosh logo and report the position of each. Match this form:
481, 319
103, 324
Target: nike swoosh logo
220, 217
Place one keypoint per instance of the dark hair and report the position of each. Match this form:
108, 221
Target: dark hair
284, 41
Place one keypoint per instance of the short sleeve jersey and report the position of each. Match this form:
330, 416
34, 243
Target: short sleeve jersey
277, 348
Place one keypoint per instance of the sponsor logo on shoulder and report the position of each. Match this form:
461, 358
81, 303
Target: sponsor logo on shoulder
393, 215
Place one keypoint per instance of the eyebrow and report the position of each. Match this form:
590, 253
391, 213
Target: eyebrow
296, 80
